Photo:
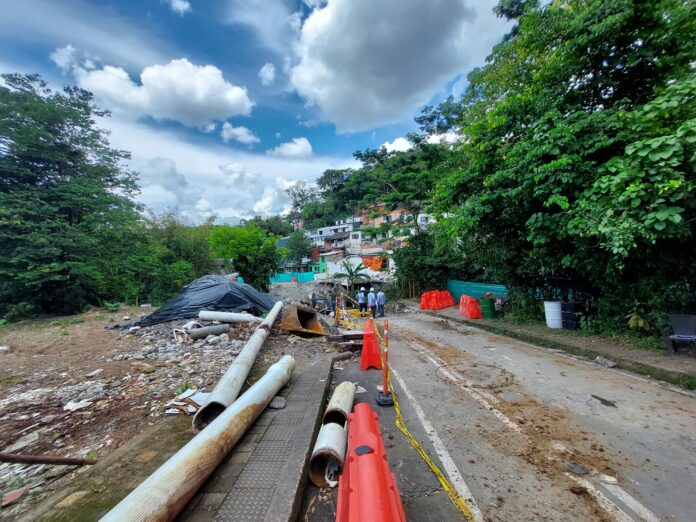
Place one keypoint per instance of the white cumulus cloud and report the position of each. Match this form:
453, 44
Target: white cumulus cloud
240, 134
180, 7
398, 145
165, 188
267, 74
448, 138
259, 196
273, 22
194, 95
367, 63
297, 148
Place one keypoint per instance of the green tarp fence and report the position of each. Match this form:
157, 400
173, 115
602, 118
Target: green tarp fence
302, 277
476, 290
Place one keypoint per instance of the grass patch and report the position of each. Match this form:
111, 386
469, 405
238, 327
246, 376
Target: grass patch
10, 381
92, 454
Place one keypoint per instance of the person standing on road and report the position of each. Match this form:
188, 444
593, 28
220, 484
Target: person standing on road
372, 302
361, 300
381, 301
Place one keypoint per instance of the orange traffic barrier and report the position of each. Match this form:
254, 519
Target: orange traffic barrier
469, 307
436, 300
367, 490
370, 349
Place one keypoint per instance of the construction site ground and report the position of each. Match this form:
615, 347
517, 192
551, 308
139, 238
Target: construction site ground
124, 382
421, 494
523, 432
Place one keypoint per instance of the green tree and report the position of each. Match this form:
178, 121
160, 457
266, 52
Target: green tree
430, 260
300, 194
298, 247
353, 275
64, 197
252, 252
276, 225
578, 159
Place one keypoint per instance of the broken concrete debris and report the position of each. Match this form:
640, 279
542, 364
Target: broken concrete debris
605, 362
75, 407
186, 403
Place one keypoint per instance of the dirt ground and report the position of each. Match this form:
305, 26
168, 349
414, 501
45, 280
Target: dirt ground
118, 381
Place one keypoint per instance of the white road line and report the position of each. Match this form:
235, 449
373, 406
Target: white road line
606, 504
448, 464
638, 508
483, 398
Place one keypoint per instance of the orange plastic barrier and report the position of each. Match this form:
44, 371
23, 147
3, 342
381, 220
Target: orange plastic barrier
370, 349
436, 300
367, 490
469, 307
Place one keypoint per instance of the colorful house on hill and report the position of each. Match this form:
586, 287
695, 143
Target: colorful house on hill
325, 258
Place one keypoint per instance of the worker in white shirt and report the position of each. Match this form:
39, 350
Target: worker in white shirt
361, 300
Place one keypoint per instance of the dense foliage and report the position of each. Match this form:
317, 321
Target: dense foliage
298, 247
276, 225
580, 150
251, 251
70, 233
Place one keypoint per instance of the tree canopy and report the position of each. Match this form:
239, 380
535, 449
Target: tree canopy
252, 252
70, 232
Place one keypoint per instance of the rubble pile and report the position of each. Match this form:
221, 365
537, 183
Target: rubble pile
89, 410
90, 414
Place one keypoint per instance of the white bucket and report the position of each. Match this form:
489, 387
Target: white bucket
554, 316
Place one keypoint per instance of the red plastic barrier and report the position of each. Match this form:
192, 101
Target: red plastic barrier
436, 300
469, 307
367, 490
370, 349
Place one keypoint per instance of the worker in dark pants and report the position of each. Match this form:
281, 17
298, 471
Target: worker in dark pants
372, 302
381, 301
361, 300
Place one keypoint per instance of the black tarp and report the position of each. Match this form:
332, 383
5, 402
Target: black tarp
211, 292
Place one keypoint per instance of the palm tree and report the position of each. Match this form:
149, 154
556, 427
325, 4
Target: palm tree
353, 274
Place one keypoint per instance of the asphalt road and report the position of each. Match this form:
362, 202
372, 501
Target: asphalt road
529, 433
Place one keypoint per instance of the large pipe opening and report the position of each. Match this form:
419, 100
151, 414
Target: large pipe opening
324, 469
208, 414
336, 416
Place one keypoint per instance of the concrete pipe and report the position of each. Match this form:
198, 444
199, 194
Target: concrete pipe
230, 384
167, 491
202, 333
227, 317
341, 404
326, 462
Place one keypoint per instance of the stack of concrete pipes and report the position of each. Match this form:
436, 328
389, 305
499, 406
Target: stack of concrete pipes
328, 456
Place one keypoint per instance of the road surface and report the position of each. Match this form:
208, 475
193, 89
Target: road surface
534, 434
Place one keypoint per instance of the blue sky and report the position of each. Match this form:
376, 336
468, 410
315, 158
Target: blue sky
224, 103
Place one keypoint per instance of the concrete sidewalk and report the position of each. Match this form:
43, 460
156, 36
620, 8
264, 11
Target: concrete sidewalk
679, 369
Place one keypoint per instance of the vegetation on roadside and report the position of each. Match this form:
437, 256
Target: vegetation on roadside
70, 232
